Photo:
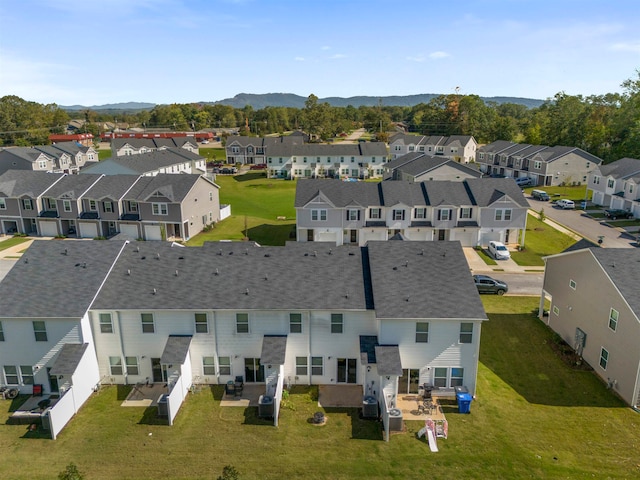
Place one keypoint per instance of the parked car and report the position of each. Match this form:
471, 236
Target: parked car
258, 166
228, 170
614, 213
524, 182
486, 284
540, 195
499, 250
565, 204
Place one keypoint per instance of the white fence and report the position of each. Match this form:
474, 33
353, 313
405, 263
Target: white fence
225, 211
60, 414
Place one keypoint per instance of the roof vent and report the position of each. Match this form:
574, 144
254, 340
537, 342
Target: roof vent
66, 252
351, 254
407, 299
246, 251
143, 257
155, 291
315, 254
246, 292
266, 277
137, 249
157, 256
217, 272
346, 295
128, 272
26, 260
422, 252
176, 273
84, 265
406, 263
220, 252
395, 268
181, 257
330, 251
267, 255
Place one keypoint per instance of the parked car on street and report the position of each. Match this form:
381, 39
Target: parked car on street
486, 284
524, 182
565, 204
614, 213
499, 250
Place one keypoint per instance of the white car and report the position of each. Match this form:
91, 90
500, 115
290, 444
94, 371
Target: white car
565, 204
499, 250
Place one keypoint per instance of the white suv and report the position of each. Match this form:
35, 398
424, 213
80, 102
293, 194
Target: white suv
565, 204
499, 250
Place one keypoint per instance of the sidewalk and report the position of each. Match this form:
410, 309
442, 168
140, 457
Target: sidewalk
477, 265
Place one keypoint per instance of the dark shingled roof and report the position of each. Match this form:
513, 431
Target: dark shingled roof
72, 279
72, 186
274, 348
111, 186
621, 264
388, 360
176, 349
68, 358
18, 183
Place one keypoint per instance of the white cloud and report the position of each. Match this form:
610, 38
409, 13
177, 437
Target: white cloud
326, 47
299, 59
626, 47
437, 55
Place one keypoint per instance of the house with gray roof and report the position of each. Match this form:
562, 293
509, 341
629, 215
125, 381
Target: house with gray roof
616, 185
64, 157
473, 211
169, 160
134, 146
545, 166
253, 150
595, 308
459, 148
419, 167
377, 317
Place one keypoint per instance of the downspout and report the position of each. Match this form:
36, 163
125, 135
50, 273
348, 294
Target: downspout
309, 349
215, 345
477, 358
122, 356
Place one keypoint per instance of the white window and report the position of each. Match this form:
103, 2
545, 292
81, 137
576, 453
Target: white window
610, 183
439, 377
26, 204
115, 365
337, 323
556, 310
613, 319
202, 326
3, 204
572, 284
503, 214
375, 213
353, 215
106, 324
107, 206
66, 205
604, 358
224, 363
40, 331
295, 323
302, 367
26, 372
465, 212
208, 365
317, 366
159, 208
444, 214
398, 215
596, 180
148, 325
537, 165
1, 333
457, 377
420, 213
319, 215
92, 206
422, 332
242, 323
132, 365
42, 164
11, 375
466, 332
51, 203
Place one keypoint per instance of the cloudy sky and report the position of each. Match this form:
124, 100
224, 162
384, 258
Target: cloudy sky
92, 52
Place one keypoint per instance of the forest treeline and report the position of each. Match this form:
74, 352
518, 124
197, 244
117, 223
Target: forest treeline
607, 126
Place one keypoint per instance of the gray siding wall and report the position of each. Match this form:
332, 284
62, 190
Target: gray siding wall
202, 200
13, 208
488, 216
173, 211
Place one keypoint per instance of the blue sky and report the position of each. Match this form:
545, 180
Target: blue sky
93, 52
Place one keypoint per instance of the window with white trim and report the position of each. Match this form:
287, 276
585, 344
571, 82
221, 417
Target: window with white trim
596, 180
224, 365
572, 284
465, 212
11, 375
1, 333
439, 377
420, 213
444, 214
148, 324
317, 366
503, 214
3, 204
26, 372
398, 215
604, 358
375, 213
422, 332
132, 365
40, 331
93, 206
26, 204
610, 183
202, 325
106, 323
302, 367
115, 365
337, 323
208, 365
537, 164
108, 207
318, 215
159, 209
613, 319
295, 323
66, 205
242, 323
353, 215
466, 332
457, 377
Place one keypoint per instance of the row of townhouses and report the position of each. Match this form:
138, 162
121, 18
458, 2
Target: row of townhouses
87, 206
545, 166
134, 146
63, 157
420, 167
460, 148
254, 150
617, 185
165, 160
140, 312
473, 211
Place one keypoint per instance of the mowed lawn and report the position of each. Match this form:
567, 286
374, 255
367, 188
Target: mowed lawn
534, 417
540, 240
256, 203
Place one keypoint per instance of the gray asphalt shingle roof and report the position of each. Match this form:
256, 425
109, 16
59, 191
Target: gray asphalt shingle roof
176, 349
68, 358
72, 186
111, 186
621, 264
18, 183
147, 162
621, 168
174, 187
274, 349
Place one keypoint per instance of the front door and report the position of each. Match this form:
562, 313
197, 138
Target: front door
506, 236
310, 235
441, 235
354, 236
347, 369
53, 381
156, 370
253, 371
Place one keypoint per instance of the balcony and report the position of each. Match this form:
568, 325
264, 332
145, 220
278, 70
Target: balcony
130, 216
89, 216
48, 214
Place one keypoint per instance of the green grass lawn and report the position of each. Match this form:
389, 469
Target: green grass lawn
577, 194
534, 417
213, 153
484, 255
102, 154
12, 242
540, 240
262, 200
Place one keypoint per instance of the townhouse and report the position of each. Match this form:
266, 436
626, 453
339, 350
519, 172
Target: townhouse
419, 167
161, 207
472, 211
253, 150
595, 308
168, 160
155, 312
545, 166
64, 157
136, 146
615, 185
459, 148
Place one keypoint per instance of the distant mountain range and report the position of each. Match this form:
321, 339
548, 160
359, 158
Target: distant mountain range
260, 101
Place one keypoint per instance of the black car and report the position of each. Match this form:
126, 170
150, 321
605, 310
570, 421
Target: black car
614, 213
486, 284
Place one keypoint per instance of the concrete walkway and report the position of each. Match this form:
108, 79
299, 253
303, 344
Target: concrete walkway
477, 264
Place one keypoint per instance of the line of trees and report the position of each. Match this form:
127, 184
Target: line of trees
605, 125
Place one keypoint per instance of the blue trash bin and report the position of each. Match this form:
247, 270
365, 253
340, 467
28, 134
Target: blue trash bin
464, 402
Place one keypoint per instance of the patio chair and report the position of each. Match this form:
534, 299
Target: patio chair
37, 390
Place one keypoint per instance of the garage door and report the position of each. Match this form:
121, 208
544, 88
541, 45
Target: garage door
129, 230
486, 237
467, 239
152, 232
88, 229
48, 229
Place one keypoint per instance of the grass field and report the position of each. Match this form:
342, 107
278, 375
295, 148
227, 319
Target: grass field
540, 240
12, 242
577, 194
534, 417
261, 200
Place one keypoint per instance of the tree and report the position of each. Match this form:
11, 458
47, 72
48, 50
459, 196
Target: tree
229, 473
71, 472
